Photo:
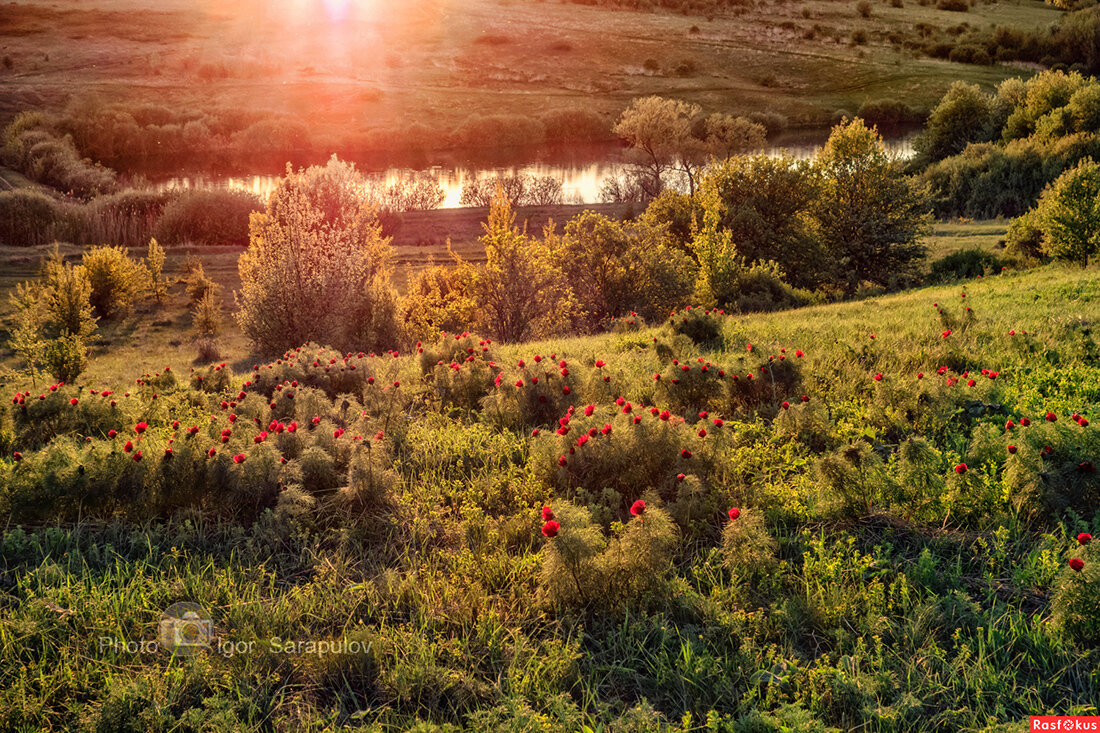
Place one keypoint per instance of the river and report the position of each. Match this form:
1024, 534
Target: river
580, 175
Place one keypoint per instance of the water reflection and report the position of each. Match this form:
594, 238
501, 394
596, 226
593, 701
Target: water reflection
580, 181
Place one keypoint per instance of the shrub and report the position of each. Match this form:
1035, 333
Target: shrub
887, 112
115, 279
438, 300
748, 550
128, 217
1069, 214
198, 285
499, 131
208, 218
574, 124
957, 6
317, 267
863, 7
1076, 602
582, 569
29, 218
154, 264
1024, 238
963, 264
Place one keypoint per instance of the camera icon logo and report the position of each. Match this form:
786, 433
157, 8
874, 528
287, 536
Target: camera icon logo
185, 628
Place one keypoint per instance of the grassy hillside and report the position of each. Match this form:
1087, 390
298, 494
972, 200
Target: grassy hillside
907, 510
347, 68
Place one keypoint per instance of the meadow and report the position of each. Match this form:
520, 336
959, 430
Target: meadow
225, 87
542, 536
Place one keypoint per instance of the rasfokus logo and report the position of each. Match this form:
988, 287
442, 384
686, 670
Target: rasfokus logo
1066, 723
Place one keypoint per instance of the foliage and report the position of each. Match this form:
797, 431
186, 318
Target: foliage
317, 267
963, 265
116, 280
1068, 213
439, 300
871, 218
519, 291
217, 218
154, 265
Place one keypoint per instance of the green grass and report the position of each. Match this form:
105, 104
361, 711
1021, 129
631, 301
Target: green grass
922, 601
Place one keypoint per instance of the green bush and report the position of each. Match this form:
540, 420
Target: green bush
963, 265
207, 218
116, 280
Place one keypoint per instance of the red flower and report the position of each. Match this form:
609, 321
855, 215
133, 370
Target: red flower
137, 456
1011, 449
1077, 563
175, 424
1083, 422
878, 377
112, 433
702, 432
73, 401
239, 458
718, 422
599, 364
561, 460
799, 353
589, 410
17, 456
734, 514
805, 398
565, 389
550, 529
637, 508
168, 452
316, 421
665, 415
680, 477
1084, 538
685, 454
232, 418
1085, 467
606, 430
1024, 421
519, 382
970, 383
961, 468
946, 333
1009, 425
128, 447
547, 514
786, 405
211, 453
1051, 417
140, 428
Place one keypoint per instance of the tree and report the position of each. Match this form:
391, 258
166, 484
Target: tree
964, 115
727, 136
1068, 213
657, 131
317, 267
767, 206
614, 269
870, 217
54, 320
116, 280
520, 292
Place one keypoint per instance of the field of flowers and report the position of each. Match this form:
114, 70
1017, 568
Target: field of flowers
871, 514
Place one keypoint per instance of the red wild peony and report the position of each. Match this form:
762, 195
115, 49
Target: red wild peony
137, 456
1011, 449
600, 364
786, 405
73, 401
140, 428
550, 529
1051, 417
734, 514
1024, 421
606, 430
878, 377
589, 410
685, 454
211, 453
1084, 538
562, 461
680, 477
239, 458
637, 508
112, 433
1009, 425
961, 468
1076, 563
547, 514
128, 447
